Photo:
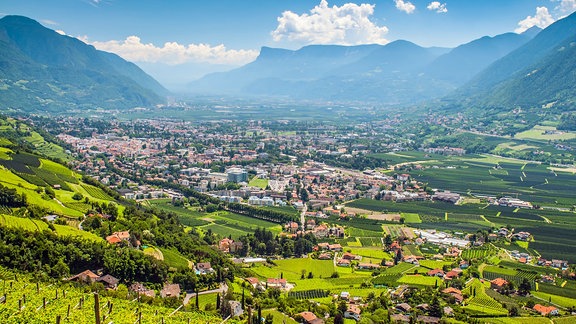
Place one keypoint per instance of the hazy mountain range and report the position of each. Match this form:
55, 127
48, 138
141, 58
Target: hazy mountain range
43, 70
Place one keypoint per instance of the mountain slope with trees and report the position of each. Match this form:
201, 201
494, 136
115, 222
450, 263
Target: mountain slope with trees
43, 70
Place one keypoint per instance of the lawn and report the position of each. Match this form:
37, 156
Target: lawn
258, 182
411, 218
291, 269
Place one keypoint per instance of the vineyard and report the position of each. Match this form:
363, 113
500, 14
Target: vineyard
24, 301
516, 278
370, 241
309, 294
477, 253
480, 302
96, 192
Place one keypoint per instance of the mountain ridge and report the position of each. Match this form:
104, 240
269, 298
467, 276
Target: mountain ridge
62, 72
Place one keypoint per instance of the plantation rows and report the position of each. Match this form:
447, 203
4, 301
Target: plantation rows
309, 294
399, 268
28, 302
555, 290
96, 192
476, 253
517, 279
387, 279
482, 302
370, 241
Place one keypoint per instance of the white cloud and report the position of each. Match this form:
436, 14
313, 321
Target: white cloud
405, 6
172, 53
541, 19
348, 24
565, 7
437, 6
49, 22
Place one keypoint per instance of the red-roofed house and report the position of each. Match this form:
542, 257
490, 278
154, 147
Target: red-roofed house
498, 283
545, 310
436, 273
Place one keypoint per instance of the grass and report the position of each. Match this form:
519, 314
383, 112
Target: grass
34, 225
411, 218
419, 280
538, 133
278, 317
258, 182
174, 258
555, 299
291, 269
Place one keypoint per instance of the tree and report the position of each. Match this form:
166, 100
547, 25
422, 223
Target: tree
524, 287
435, 309
513, 311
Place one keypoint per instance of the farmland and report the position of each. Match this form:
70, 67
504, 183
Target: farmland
42, 303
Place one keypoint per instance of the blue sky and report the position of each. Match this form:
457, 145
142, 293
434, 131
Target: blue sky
187, 38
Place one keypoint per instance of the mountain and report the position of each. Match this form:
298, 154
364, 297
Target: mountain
467, 60
552, 80
328, 72
43, 70
399, 72
528, 63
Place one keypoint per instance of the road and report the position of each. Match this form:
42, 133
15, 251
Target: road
223, 288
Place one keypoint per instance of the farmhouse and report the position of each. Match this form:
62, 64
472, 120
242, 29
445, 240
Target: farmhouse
118, 237
170, 290
546, 310
108, 281
204, 268
352, 312
276, 283
254, 282
368, 266
404, 307
436, 272
343, 263
498, 283
335, 247
86, 276
310, 318
140, 289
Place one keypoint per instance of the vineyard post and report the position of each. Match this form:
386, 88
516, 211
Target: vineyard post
37, 287
56, 293
64, 293
97, 308
139, 317
11, 285
19, 304
44, 302
68, 311
110, 308
58, 319
24, 298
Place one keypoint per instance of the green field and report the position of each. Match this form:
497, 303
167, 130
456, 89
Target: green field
411, 218
539, 132
420, 280
174, 259
34, 225
258, 182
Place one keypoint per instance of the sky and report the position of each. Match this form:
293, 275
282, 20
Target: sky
177, 41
